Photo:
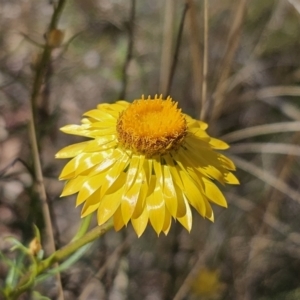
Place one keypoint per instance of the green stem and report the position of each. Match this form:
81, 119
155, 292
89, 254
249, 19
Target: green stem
84, 226
58, 256
45, 58
66, 251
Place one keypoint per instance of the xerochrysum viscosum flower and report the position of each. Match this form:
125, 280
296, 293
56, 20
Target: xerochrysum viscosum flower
145, 161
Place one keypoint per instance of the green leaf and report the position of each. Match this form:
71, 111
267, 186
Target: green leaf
17, 245
37, 296
15, 270
66, 264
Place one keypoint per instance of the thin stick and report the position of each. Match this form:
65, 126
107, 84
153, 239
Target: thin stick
285, 167
232, 45
166, 52
45, 58
38, 80
272, 25
195, 49
112, 260
175, 58
129, 50
11, 165
42, 194
268, 178
261, 130
200, 263
205, 63
272, 148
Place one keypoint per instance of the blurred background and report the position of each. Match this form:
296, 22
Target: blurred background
113, 49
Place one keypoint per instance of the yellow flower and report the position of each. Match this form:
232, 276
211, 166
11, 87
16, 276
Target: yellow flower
207, 284
145, 161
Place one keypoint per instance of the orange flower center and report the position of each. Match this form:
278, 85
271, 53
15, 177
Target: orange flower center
152, 126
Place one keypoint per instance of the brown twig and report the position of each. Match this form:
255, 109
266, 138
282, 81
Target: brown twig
205, 64
195, 49
167, 47
45, 58
177, 47
11, 165
232, 45
268, 178
40, 188
39, 78
186, 285
112, 260
131, 24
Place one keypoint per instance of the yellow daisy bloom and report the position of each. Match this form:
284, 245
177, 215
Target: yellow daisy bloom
145, 161
207, 284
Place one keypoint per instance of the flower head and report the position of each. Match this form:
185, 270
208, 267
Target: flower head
145, 161
207, 284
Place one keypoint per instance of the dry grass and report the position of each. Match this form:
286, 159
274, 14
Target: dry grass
238, 60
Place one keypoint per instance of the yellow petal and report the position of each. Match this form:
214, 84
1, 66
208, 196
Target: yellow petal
195, 123
81, 130
197, 133
186, 220
114, 172
72, 150
148, 165
101, 143
121, 104
139, 224
134, 168
155, 205
169, 192
100, 115
89, 187
88, 161
218, 144
209, 212
118, 219
108, 206
110, 157
131, 196
91, 204
202, 125
175, 176
214, 194
98, 132
197, 177
86, 122
181, 206
72, 186
204, 162
69, 169
141, 202
167, 223
231, 179
184, 163
129, 200
193, 193
115, 108
158, 171
118, 184
226, 162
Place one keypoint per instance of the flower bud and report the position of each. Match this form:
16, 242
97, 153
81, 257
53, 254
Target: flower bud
55, 38
35, 247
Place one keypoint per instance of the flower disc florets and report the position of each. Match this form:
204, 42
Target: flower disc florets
152, 126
